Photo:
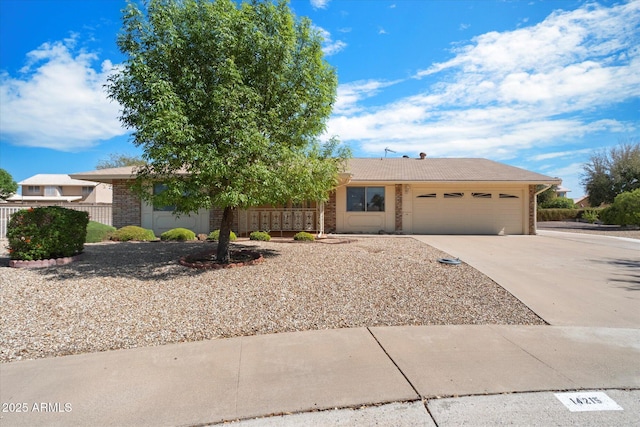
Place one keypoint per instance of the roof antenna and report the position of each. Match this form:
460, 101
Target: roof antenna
388, 150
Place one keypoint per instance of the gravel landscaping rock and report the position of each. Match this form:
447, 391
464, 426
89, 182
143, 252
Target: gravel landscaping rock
124, 295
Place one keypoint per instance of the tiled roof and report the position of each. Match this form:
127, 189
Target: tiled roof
56, 179
440, 170
399, 170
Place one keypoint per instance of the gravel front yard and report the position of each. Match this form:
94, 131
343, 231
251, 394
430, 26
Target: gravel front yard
124, 295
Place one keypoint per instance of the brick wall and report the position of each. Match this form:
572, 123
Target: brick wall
126, 205
330, 214
398, 208
532, 209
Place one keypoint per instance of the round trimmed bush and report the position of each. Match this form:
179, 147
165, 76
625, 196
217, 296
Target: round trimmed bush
260, 235
304, 236
98, 232
179, 234
133, 232
215, 236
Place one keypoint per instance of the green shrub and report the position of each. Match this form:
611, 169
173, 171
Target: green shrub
625, 209
559, 203
179, 234
133, 232
46, 233
304, 236
97, 232
557, 214
260, 235
215, 235
590, 215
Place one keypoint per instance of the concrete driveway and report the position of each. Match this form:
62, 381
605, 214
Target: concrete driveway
568, 279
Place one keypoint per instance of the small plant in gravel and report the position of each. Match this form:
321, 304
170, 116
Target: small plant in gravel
97, 232
46, 233
178, 234
260, 235
303, 236
133, 232
215, 236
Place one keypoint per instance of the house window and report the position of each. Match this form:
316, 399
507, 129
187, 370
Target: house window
507, 196
427, 196
159, 189
33, 189
86, 190
52, 191
365, 199
453, 195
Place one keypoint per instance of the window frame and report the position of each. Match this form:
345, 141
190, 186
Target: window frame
366, 199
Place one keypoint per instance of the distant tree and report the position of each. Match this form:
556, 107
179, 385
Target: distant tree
228, 101
117, 160
547, 195
7, 185
612, 172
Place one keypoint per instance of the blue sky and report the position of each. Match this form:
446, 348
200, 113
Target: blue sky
535, 84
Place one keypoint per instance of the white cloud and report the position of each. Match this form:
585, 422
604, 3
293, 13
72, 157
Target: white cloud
536, 86
58, 101
330, 47
319, 4
560, 154
350, 94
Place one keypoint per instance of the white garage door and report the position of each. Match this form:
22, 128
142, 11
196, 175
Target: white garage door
467, 211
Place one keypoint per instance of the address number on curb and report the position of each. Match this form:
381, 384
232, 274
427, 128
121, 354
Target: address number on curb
588, 401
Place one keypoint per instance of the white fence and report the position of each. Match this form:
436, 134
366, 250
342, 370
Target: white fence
97, 213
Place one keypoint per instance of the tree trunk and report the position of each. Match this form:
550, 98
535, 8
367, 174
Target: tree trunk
222, 255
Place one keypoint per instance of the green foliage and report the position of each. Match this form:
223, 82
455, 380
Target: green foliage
215, 236
7, 185
590, 215
223, 97
133, 232
558, 203
304, 236
260, 235
46, 233
97, 232
612, 172
117, 160
179, 234
557, 214
547, 195
625, 209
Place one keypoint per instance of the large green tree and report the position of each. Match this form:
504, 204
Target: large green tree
612, 172
7, 185
227, 102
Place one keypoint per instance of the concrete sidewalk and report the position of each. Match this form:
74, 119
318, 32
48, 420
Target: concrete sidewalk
240, 378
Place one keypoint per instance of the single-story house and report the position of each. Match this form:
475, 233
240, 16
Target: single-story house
374, 195
60, 188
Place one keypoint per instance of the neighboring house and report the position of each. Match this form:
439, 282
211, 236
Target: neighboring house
582, 202
381, 195
57, 188
562, 192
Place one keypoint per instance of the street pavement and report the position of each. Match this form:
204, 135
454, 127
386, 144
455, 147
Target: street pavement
475, 375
